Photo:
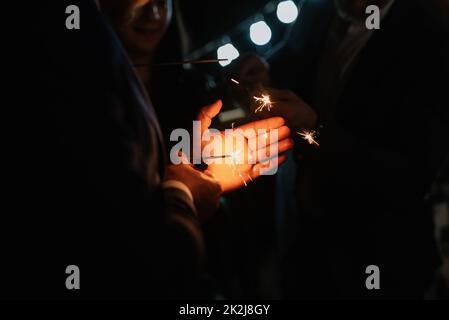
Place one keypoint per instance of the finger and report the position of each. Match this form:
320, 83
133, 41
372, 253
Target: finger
184, 158
181, 158
209, 112
282, 133
249, 130
264, 139
209, 173
267, 168
270, 152
282, 158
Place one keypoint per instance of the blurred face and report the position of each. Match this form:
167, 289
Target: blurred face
147, 27
119, 11
141, 24
354, 10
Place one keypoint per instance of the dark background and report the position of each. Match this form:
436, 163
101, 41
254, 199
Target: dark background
208, 20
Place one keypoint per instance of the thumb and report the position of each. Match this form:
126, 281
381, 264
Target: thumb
209, 112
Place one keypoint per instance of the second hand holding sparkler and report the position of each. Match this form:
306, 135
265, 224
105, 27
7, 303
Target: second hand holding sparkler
296, 112
264, 100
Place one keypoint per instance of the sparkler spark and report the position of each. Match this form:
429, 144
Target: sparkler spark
235, 81
264, 101
309, 136
235, 156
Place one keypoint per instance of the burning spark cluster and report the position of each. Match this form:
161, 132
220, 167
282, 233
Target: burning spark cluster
310, 137
264, 101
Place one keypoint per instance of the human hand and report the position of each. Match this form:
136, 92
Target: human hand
285, 103
252, 71
205, 189
242, 154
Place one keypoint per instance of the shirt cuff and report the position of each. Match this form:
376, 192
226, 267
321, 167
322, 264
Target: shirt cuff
175, 184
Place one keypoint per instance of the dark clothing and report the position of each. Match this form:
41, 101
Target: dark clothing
178, 96
439, 289
361, 195
92, 195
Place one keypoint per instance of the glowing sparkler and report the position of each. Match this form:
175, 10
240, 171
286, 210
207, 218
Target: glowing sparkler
235, 157
264, 101
179, 63
310, 137
235, 81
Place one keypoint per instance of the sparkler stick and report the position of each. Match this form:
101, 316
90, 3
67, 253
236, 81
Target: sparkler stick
178, 63
264, 100
310, 137
219, 157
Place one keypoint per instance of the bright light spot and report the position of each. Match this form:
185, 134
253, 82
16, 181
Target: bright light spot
227, 51
264, 102
287, 11
260, 33
310, 137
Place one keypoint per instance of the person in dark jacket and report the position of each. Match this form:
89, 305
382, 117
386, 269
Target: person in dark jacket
382, 118
438, 198
99, 193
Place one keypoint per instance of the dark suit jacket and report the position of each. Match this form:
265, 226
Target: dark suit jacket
91, 195
361, 194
